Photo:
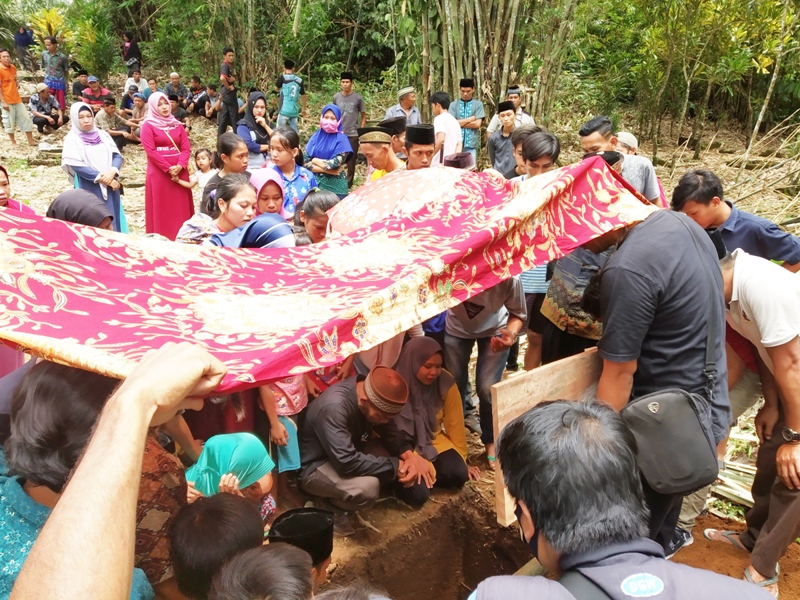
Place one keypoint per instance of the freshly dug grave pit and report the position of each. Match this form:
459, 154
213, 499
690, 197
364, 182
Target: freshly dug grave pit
443, 550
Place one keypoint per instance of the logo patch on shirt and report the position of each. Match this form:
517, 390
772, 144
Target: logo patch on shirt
642, 585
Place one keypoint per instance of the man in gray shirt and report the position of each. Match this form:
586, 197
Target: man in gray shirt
493, 319
352, 105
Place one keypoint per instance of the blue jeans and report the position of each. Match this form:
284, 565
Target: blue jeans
488, 371
290, 121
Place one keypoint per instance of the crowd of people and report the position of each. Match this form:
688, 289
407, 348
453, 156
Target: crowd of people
298, 456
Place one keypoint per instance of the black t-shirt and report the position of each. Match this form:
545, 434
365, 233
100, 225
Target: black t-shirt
77, 89
656, 301
227, 95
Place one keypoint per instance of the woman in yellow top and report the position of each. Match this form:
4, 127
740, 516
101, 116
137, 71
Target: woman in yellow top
433, 416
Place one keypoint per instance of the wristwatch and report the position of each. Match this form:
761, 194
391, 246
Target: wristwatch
790, 435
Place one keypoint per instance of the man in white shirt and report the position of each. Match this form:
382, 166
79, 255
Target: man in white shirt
446, 128
137, 81
764, 307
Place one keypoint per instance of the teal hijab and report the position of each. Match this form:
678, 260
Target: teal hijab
242, 454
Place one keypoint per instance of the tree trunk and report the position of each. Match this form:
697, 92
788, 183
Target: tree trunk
700, 121
509, 44
426, 63
772, 82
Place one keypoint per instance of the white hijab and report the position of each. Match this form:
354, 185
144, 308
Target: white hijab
78, 153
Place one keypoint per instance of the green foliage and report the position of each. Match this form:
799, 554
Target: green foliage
97, 46
10, 18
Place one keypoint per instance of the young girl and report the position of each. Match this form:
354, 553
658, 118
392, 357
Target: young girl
231, 157
312, 214
328, 150
283, 399
234, 463
284, 149
202, 160
269, 191
234, 200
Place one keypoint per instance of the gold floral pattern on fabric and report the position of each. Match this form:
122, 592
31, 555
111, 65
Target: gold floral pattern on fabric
404, 248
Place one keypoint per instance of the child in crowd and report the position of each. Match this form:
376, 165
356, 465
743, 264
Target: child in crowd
312, 214
205, 535
231, 157
283, 400
202, 162
269, 190
234, 463
288, 160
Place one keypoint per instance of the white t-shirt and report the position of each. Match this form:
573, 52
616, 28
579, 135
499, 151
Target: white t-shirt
141, 85
447, 124
765, 303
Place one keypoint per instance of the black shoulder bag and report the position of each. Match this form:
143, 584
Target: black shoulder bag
672, 427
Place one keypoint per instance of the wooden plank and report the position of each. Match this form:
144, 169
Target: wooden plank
570, 379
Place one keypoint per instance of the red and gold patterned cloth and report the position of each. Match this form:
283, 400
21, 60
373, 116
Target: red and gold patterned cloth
99, 300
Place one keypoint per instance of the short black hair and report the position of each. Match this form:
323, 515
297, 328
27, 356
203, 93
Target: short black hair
51, 39
601, 124
5, 50
523, 131
273, 571
288, 64
539, 144
206, 534
226, 49
699, 186
109, 100
53, 412
196, 79
212, 86
440, 98
83, 72
574, 466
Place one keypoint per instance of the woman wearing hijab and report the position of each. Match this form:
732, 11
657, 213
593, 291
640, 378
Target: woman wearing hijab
81, 207
92, 159
6, 201
327, 150
433, 416
167, 204
255, 130
236, 463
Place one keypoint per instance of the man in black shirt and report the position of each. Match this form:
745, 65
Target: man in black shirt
229, 108
80, 85
655, 301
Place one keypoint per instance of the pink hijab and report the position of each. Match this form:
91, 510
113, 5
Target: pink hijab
261, 177
154, 117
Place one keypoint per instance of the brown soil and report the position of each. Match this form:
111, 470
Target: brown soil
442, 550
727, 560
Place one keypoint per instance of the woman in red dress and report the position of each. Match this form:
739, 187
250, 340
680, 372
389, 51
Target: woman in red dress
167, 204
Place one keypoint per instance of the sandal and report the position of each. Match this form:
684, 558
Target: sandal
767, 582
491, 460
731, 536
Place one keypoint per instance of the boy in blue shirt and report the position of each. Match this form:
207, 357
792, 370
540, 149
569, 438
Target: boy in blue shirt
699, 196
